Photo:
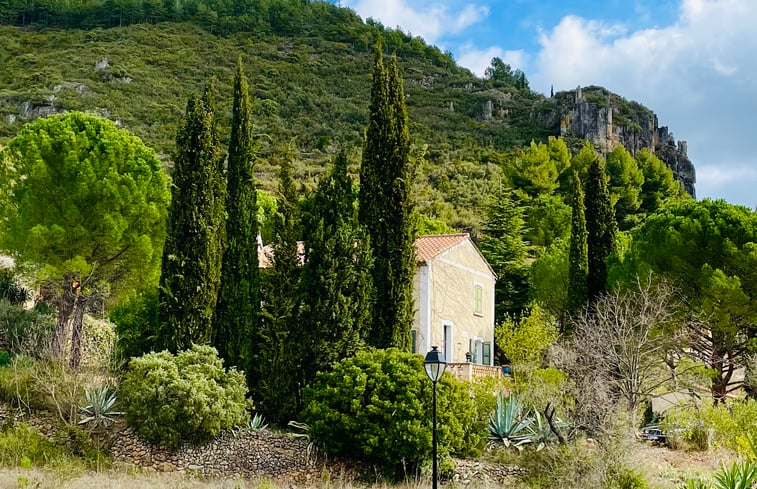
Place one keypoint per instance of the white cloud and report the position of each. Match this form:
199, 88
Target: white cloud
477, 60
697, 74
428, 21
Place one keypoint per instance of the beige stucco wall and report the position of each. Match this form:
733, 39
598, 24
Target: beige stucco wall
444, 294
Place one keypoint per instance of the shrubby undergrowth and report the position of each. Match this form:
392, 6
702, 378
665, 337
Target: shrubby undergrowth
187, 397
377, 406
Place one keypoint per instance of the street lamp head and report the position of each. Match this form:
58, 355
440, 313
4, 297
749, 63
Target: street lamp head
434, 364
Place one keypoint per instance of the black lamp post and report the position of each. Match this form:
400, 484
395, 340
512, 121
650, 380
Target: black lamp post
435, 365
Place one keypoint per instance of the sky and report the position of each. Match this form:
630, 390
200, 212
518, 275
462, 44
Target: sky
690, 61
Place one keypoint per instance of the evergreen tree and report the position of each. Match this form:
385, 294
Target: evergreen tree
600, 228
191, 269
336, 275
578, 257
386, 208
238, 305
502, 244
277, 348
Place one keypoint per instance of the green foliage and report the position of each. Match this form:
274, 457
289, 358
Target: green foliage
11, 290
715, 425
386, 206
509, 423
27, 331
136, 322
600, 228
191, 274
625, 186
336, 277
525, 340
99, 411
274, 377
578, 273
710, 252
187, 397
740, 475
23, 445
549, 279
238, 308
90, 200
377, 406
503, 246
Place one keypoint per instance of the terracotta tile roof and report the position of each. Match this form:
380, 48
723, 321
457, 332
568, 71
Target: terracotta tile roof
427, 247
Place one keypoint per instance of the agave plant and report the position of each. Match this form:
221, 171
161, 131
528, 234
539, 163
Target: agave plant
694, 484
257, 423
738, 476
541, 433
99, 409
508, 424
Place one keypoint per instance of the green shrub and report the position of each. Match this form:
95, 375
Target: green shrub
377, 406
26, 331
22, 443
17, 382
136, 323
187, 397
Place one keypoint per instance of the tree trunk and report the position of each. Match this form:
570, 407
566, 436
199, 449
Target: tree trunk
65, 303
78, 327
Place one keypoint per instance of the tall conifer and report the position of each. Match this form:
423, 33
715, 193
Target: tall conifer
236, 314
600, 228
386, 179
578, 257
336, 275
277, 349
191, 270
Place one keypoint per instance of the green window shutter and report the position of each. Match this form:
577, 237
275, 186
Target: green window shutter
478, 299
472, 350
487, 354
413, 335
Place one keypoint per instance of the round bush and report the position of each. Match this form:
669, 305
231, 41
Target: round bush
377, 406
187, 397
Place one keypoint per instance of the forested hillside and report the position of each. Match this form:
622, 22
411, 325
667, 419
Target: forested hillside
309, 67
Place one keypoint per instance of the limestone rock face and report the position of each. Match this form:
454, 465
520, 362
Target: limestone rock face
607, 120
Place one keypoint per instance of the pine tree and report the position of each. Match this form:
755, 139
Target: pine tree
277, 349
600, 228
578, 258
237, 311
336, 275
504, 248
386, 209
192, 256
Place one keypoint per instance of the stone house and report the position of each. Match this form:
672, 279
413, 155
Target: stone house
454, 302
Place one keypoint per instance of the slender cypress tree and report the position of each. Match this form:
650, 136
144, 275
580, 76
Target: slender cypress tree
336, 275
191, 269
236, 313
386, 207
600, 228
276, 349
579, 265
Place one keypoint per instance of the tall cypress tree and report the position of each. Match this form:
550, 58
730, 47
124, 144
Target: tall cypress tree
578, 258
191, 270
600, 228
277, 350
336, 275
386, 179
236, 313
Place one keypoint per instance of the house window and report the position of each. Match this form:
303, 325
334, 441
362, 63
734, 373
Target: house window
413, 336
478, 299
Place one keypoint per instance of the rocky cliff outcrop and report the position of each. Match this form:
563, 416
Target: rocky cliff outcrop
607, 120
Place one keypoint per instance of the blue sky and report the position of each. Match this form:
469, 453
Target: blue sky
691, 61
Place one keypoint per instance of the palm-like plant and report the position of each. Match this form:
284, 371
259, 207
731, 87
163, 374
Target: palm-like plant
738, 476
507, 424
99, 411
